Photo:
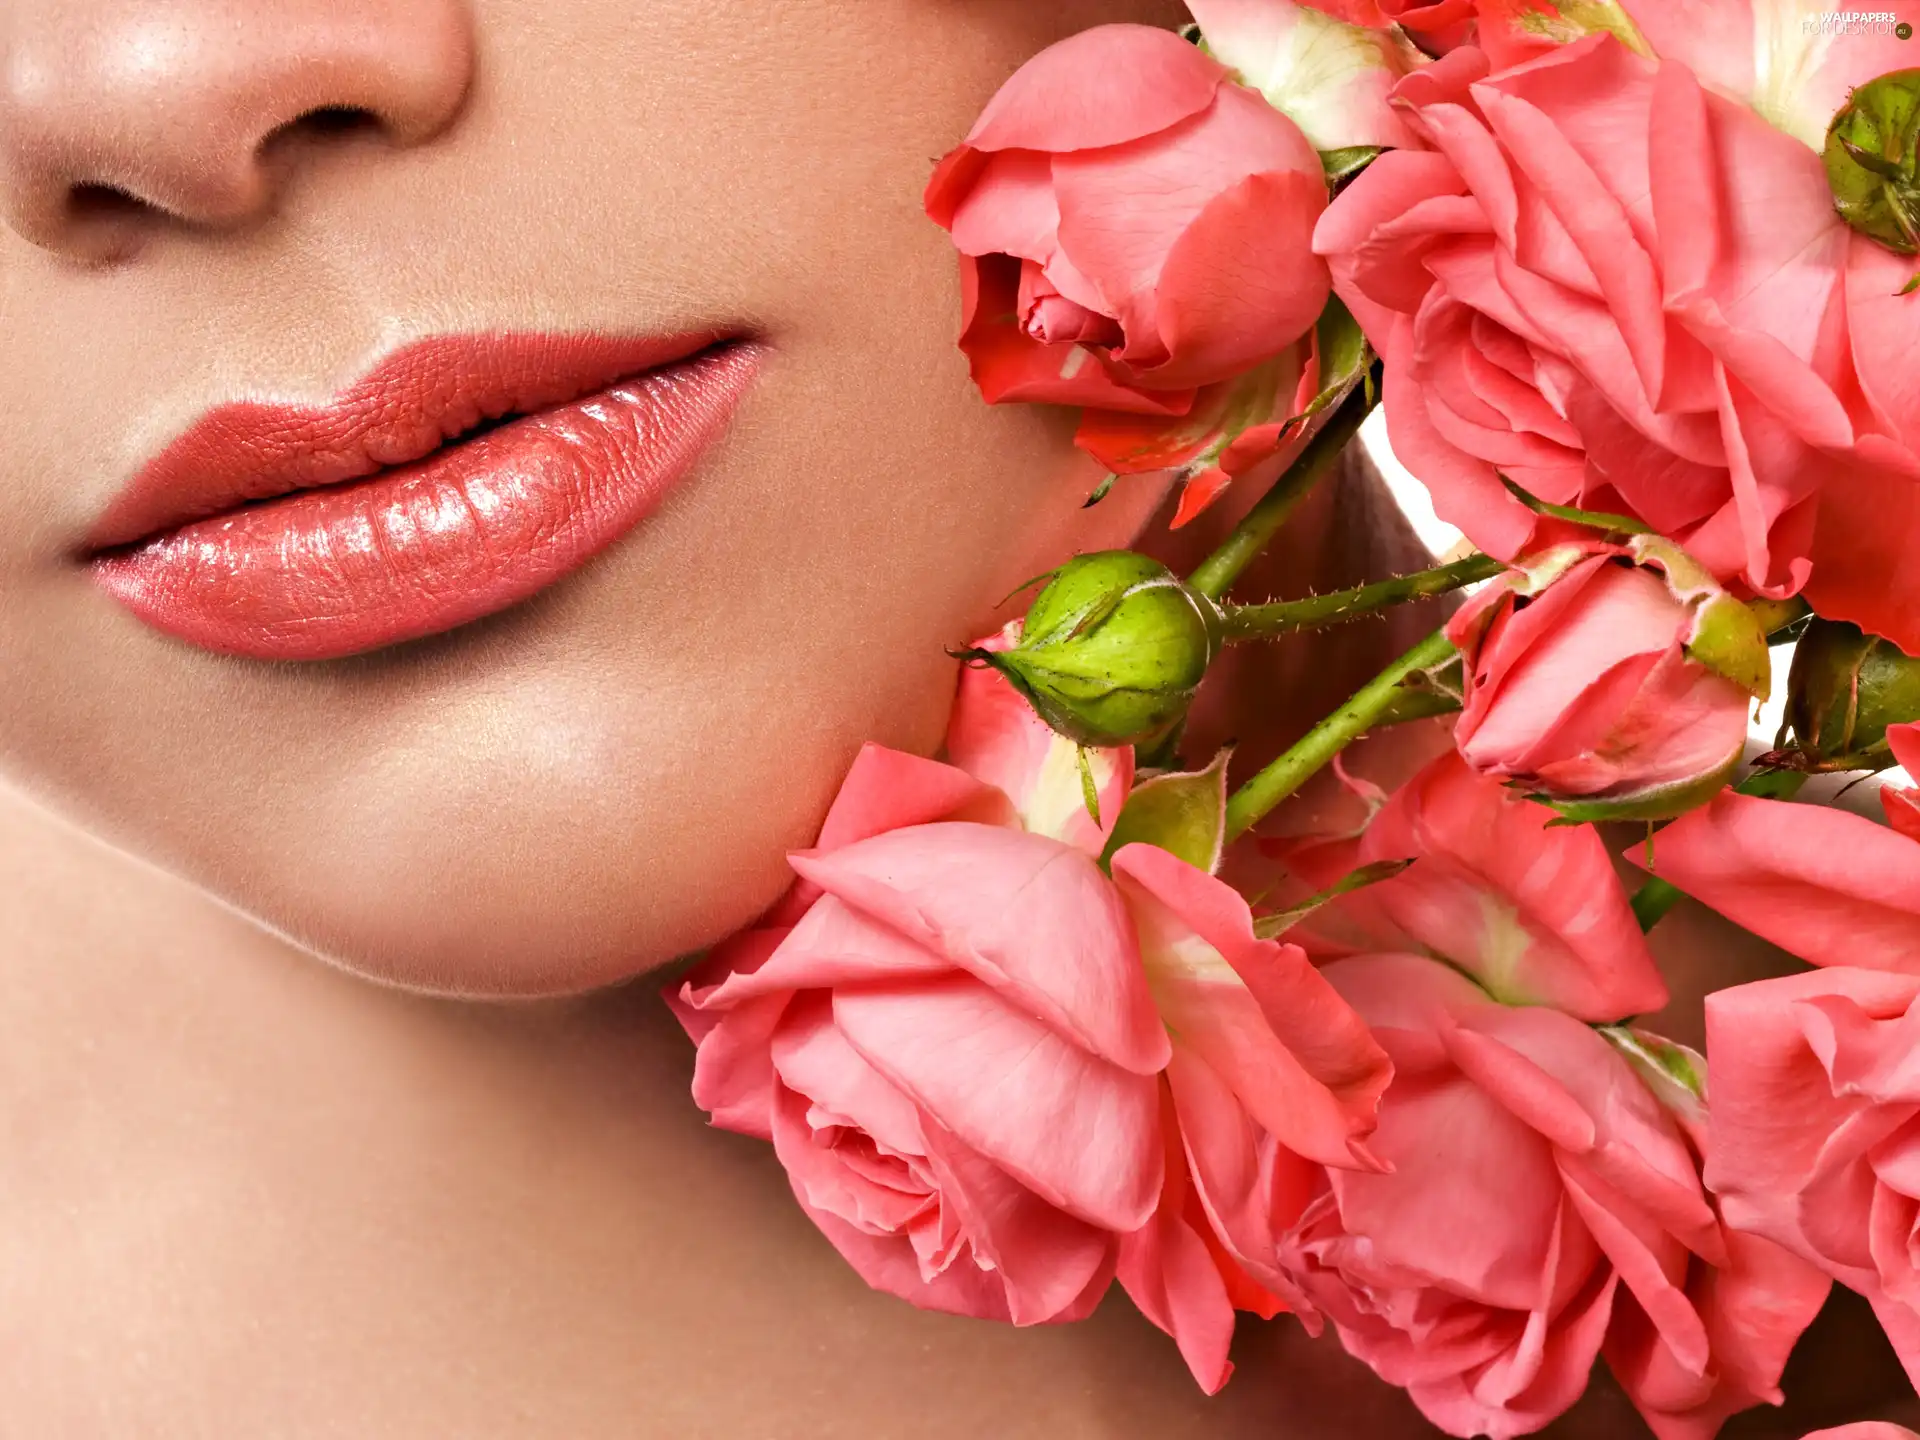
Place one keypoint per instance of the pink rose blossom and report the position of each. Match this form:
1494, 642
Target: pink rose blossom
953, 1050
1542, 1209
945, 1029
1628, 293
955, 1032
1581, 687
1132, 226
1865, 1430
1541, 1204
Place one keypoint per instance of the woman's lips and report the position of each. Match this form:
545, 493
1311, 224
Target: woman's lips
293, 533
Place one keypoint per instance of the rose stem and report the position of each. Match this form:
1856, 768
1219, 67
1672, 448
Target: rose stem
1332, 735
1220, 569
1653, 900
1265, 622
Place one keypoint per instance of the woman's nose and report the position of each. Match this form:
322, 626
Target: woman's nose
119, 116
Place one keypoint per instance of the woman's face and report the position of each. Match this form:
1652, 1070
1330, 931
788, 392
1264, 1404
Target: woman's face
209, 201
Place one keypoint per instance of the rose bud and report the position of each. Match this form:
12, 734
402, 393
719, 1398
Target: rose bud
1132, 226
1870, 160
1846, 687
1112, 651
1611, 682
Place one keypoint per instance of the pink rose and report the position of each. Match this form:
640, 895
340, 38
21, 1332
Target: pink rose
1627, 293
1529, 909
1132, 226
945, 1030
952, 1031
1816, 1129
1542, 1209
1865, 1430
1475, 968
1583, 686
953, 1049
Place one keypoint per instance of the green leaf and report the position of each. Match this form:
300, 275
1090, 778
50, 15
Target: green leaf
1348, 161
1772, 784
1597, 519
1344, 352
1270, 927
1653, 900
1183, 813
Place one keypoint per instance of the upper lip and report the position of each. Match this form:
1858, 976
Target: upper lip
411, 403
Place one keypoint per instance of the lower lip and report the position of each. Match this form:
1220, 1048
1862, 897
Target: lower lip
424, 548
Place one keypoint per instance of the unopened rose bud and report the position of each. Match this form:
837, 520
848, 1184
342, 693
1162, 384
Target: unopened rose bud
1611, 682
1870, 160
1113, 650
1846, 688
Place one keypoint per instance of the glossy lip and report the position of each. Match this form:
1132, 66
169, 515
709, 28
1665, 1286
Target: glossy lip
460, 476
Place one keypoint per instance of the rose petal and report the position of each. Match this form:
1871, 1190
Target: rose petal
1025, 914
1830, 886
1100, 87
1170, 1273
1047, 1260
1079, 1132
833, 944
886, 1262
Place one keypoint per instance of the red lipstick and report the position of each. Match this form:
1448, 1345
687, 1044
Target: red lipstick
460, 476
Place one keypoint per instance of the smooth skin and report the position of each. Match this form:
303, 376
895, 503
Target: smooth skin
277, 1163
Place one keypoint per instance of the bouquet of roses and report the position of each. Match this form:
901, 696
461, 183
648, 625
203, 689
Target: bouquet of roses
1632, 281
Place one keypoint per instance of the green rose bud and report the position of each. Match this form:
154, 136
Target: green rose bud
1845, 689
1870, 160
1113, 650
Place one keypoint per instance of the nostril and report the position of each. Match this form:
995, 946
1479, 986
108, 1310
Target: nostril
90, 205
324, 127
328, 122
